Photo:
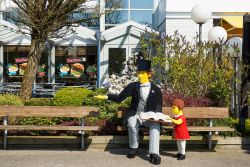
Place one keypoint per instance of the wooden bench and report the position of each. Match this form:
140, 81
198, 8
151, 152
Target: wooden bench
209, 113
47, 111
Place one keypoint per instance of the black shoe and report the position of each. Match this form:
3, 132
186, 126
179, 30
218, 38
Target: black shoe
181, 157
155, 159
132, 152
178, 155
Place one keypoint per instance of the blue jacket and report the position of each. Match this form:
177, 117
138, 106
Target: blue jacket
154, 101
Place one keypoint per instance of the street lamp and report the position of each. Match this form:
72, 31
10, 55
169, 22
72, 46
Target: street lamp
217, 35
234, 44
200, 15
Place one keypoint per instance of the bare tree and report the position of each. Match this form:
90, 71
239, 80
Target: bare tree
45, 19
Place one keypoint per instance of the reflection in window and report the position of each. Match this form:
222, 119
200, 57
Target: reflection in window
141, 4
108, 27
123, 4
89, 23
143, 17
117, 56
10, 16
15, 63
71, 63
117, 17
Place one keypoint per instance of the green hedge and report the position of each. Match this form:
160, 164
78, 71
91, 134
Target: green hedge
71, 96
9, 99
39, 102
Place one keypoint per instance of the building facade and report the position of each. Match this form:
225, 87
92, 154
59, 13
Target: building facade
172, 15
109, 41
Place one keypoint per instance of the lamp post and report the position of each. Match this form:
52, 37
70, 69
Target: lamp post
235, 49
218, 36
200, 15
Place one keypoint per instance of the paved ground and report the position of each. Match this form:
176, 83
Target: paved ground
117, 158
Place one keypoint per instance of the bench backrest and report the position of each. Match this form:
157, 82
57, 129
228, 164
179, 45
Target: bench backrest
48, 111
190, 112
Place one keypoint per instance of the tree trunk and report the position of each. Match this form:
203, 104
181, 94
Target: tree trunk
37, 46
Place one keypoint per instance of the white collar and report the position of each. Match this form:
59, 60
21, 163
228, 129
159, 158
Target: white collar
178, 115
145, 84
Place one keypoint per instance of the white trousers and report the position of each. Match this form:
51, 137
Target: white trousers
154, 133
181, 144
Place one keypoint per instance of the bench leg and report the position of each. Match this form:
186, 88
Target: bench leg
209, 137
5, 122
82, 134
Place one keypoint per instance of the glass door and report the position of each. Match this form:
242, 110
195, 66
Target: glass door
117, 57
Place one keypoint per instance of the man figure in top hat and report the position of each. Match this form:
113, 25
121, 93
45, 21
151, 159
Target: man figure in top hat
145, 97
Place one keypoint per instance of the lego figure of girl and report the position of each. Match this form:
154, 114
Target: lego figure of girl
180, 128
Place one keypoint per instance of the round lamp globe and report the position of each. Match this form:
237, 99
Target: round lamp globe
217, 35
200, 14
235, 42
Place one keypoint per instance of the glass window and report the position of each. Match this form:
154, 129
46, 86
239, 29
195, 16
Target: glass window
124, 4
117, 56
117, 17
71, 63
141, 4
143, 17
8, 16
89, 23
15, 63
108, 27
217, 22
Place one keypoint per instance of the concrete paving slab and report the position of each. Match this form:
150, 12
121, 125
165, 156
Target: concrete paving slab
117, 158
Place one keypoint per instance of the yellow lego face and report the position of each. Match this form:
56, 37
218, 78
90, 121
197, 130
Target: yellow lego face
175, 110
143, 76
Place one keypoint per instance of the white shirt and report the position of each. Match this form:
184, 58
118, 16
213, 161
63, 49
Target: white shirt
144, 90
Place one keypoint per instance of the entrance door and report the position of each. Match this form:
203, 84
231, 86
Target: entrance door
117, 57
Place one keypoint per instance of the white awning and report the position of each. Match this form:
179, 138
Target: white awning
83, 36
9, 34
6, 4
130, 27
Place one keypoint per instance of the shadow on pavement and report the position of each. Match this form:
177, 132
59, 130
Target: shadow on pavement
245, 144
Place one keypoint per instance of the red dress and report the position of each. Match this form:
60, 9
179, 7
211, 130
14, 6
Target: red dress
181, 131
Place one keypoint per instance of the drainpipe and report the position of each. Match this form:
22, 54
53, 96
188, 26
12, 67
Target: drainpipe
1, 62
98, 37
99, 44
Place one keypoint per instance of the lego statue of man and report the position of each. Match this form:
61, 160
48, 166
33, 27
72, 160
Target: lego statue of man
146, 97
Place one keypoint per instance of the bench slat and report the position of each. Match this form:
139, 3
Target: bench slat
204, 129
48, 111
190, 112
190, 128
36, 127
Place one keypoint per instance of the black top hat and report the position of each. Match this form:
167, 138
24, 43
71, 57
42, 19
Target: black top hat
143, 65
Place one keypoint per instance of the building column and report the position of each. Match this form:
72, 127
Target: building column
102, 18
99, 49
51, 64
1, 10
99, 42
1, 63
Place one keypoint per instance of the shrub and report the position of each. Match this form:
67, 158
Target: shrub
9, 99
192, 69
117, 82
98, 91
247, 125
39, 102
169, 96
71, 96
